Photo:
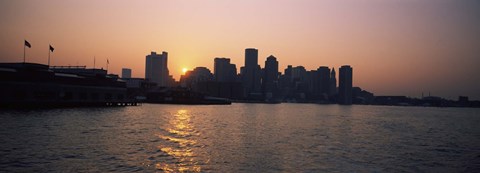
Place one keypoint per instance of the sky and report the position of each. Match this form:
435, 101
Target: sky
396, 47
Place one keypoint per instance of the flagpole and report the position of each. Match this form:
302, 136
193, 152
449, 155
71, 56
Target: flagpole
49, 56
23, 52
93, 62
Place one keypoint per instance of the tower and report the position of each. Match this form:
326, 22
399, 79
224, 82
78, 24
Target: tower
333, 83
345, 85
224, 71
270, 76
251, 77
324, 80
156, 69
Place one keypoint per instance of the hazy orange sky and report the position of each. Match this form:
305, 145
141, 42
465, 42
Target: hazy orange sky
396, 47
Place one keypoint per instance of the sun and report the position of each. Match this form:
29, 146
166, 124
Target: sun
184, 70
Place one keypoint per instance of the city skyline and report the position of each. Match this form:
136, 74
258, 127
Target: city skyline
397, 48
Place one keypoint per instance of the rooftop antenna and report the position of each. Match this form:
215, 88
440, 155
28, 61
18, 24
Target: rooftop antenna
93, 62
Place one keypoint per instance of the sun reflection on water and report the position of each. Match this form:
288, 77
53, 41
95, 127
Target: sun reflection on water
179, 144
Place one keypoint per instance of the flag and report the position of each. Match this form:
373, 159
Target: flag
51, 48
28, 44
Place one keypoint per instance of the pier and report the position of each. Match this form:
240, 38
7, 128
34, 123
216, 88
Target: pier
31, 85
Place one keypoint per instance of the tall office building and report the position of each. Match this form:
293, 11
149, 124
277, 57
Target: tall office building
288, 73
313, 82
224, 71
252, 71
126, 73
345, 85
270, 76
333, 83
156, 69
300, 79
299, 73
324, 80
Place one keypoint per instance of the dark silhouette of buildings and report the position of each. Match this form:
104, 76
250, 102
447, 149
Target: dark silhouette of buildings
191, 78
230, 90
267, 84
299, 79
324, 82
333, 83
270, 77
463, 100
345, 85
38, 84
156, 69
137, 88
360, 96
26, 85
299, 85
295, 84
224, 71
126, 73
222, 85
251, 78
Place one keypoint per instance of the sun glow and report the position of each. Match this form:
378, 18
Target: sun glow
184, 70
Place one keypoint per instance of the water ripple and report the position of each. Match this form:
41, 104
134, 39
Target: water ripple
241, 138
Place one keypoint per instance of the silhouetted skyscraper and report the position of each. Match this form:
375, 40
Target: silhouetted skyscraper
333, 83
345, 85
156, 69
270, 78
324, 80
313, 84
299, 73
126, 73
288, 73
251, 77
224, 71
300, 79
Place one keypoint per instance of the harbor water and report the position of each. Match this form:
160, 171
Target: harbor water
241, 138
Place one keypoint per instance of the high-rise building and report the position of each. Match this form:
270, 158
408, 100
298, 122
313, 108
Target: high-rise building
300, 79
284, 80
270, 76
345, 85
333, 83
224, 71
324, 80
156, 69
288, 73
126, 73
299, 73
313, 82
252, 71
